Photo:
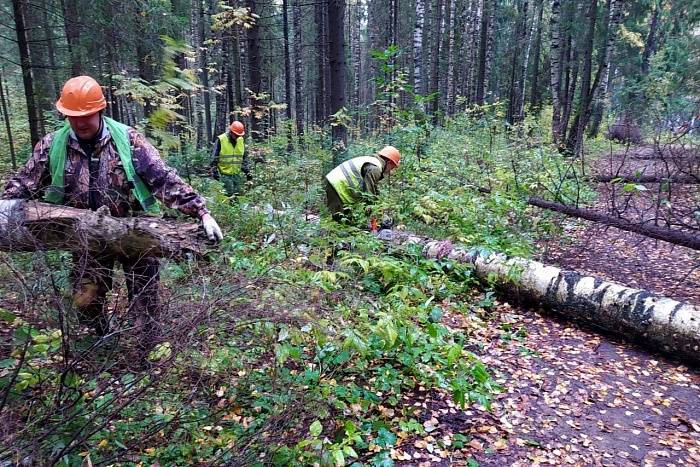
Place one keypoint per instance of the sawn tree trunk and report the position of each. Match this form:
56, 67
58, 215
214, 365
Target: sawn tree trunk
35, 226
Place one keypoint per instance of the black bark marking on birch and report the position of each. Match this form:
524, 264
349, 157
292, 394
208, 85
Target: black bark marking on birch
674, 311
638, 313
599, 294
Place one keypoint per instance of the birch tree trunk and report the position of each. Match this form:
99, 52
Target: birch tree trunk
418, 47
637, 315
356, 51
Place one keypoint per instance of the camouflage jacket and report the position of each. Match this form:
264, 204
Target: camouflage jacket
111, 187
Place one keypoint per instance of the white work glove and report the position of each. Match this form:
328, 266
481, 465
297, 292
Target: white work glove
7, 207
212, 228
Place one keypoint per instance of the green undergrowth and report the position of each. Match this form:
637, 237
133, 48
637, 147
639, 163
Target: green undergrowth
300, 342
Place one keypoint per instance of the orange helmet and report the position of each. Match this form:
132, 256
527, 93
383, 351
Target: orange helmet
391, 153
81, 96
237, 128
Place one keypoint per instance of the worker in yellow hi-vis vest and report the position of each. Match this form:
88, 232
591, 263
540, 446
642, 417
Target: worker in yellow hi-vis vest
347, 183
229, 162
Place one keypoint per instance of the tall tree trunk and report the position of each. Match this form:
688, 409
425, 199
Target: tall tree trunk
202, 27
418, 47
356, 51
4, 98
447, 35
490, 41
254, 73
588, 88
321, 59
298, 72
555, 72
287, 74
72, 27
483, 49
513, 114
18, 8
435, 58
338, 69
535, 95
650, 42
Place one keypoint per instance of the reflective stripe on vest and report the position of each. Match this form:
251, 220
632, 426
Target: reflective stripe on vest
230, 156
346, 179
58, 151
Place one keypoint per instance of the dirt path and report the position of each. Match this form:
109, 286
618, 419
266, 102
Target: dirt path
627, 257
570, 397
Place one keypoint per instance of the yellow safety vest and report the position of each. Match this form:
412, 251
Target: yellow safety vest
347, 177
230, 156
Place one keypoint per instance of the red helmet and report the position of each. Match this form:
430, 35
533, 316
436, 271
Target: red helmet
237, 128
81, 96
391, 153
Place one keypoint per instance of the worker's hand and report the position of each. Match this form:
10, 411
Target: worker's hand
7, 207
387, 223
211, 228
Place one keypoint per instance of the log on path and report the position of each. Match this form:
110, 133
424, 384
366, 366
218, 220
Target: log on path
677, 237
682, 179
33, 226
638, 315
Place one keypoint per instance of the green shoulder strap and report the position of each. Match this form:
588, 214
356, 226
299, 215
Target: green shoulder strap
57, 163
120, 136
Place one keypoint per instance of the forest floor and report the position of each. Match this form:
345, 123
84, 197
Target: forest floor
571, 395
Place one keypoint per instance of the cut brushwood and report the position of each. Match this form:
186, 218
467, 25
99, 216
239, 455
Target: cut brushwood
35, 226
658, 322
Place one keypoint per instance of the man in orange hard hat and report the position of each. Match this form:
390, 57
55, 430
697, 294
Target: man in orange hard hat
95, 162
229, 161
347, 183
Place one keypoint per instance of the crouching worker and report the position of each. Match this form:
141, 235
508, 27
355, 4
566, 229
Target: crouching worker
347, 183
229, 162
96, 162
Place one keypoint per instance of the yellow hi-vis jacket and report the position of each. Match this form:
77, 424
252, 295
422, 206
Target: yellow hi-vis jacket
347, 179
230, 156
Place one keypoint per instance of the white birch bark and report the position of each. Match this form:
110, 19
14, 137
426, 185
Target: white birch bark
418, 47
638, 315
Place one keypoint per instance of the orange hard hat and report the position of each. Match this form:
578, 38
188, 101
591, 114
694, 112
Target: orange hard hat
81, 96
391, 153
237, 128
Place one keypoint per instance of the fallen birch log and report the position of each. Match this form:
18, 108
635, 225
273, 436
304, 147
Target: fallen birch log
33, 226
659, 322
681, 179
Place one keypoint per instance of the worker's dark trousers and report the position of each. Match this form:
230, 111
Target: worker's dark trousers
333, 202
92, 279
